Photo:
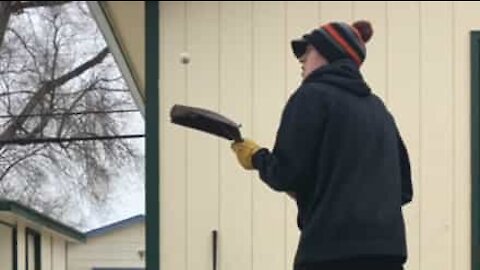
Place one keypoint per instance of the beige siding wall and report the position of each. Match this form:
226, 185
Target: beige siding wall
47, 247
6, 254
58, 254
241, 65
117, 249
21, 254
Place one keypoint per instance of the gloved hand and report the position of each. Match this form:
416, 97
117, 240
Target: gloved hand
245, 150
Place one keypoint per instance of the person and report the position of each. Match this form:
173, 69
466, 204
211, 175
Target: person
339, 154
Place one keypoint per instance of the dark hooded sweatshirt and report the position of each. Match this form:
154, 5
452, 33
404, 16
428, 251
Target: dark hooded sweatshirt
339, 150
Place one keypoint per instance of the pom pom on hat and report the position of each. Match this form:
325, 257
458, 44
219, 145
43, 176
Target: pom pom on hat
365, 30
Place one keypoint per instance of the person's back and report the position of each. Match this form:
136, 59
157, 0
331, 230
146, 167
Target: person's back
339, 154
351, 205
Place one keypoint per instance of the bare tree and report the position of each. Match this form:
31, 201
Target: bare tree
54, 65
4, 18
7, 8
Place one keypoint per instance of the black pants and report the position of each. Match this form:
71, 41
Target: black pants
375, 263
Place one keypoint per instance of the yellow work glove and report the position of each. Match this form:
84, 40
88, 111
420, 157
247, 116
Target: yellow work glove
245, 150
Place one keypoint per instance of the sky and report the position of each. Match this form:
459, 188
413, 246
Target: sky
127, 197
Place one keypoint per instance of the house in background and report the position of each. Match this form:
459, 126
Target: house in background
32, 241
120, 245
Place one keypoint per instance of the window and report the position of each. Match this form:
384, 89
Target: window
32, 247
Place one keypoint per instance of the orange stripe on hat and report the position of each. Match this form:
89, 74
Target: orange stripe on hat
343, 43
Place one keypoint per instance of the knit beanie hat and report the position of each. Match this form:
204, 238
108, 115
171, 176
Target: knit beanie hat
337, 40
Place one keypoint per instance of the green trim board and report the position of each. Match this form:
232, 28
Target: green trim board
122, 224
43, 220
475, 148
152, 186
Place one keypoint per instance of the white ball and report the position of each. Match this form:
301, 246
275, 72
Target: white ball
184, 58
